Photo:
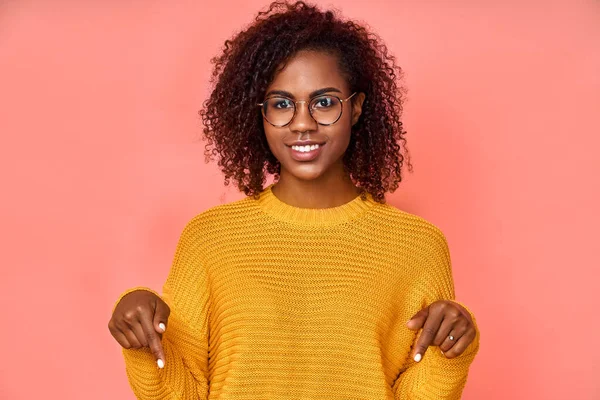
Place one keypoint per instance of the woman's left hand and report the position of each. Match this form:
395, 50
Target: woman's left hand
445, 324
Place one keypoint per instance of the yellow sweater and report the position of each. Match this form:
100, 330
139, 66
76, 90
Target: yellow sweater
271, 301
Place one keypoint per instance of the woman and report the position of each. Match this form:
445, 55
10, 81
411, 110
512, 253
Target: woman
304, 288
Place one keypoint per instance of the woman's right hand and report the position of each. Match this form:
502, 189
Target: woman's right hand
139, 320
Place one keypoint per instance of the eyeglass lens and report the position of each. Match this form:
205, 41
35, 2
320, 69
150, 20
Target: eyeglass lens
324, 109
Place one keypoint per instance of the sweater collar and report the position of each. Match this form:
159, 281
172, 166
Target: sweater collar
271, 204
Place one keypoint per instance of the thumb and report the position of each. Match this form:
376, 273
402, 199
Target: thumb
161, 316
418, 320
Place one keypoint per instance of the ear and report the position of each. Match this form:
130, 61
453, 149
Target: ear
357, 103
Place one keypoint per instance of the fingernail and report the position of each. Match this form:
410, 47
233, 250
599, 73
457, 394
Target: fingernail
161, 326
160, 363
418, 357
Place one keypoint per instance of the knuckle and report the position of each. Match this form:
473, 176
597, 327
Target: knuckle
129, 317
140, 309
454, 312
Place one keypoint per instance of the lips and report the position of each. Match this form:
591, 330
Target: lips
304, 143
307, 151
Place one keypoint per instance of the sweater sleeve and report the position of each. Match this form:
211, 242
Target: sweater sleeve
436, 377
185, 341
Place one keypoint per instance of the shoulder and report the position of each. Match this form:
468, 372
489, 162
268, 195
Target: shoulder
426, 244
233, 213
411, 232
409, 224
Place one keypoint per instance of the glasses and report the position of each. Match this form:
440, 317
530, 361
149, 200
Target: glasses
280, 111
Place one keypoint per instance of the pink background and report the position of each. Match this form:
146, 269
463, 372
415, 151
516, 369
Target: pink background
101, 168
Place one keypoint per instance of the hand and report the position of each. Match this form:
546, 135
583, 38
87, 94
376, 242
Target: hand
139, 320
445, 324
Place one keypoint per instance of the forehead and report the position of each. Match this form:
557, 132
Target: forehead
308, 71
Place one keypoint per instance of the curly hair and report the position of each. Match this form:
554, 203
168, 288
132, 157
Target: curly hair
233, 126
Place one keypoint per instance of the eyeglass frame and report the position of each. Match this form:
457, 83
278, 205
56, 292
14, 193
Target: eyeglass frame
309, 110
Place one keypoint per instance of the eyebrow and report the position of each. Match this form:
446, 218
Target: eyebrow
311, 95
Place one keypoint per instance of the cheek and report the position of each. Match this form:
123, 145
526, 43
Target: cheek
341, 137
273, 140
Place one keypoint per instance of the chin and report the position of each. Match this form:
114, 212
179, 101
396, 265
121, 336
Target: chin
306, 172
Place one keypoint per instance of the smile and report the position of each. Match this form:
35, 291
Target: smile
305, 149
306, 153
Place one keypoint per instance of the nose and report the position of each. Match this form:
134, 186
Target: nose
303, 121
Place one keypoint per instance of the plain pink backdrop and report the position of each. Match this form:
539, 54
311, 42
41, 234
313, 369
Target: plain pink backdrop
101, 168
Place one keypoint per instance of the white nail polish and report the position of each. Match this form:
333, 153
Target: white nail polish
161, 326
160, 363
418, 357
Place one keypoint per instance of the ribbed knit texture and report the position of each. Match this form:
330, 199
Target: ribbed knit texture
271, 301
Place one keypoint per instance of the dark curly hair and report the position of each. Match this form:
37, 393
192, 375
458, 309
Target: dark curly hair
233, 125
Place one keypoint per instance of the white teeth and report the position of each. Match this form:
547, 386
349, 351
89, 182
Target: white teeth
306, 148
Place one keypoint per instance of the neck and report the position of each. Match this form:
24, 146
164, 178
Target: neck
324, 192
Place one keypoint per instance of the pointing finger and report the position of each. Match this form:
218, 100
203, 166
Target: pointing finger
154, 342
425, 339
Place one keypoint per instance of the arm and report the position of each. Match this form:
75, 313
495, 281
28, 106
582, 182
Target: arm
185, 340
436, 377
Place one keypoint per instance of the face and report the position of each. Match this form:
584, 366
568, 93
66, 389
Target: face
307, 75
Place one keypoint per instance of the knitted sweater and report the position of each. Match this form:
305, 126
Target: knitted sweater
271, 301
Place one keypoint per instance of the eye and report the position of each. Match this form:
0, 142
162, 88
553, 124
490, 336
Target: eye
324, 102
282, 103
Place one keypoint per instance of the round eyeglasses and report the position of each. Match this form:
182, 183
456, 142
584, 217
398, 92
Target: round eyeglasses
325, 110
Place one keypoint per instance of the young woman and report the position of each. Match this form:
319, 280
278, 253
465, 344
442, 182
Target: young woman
312, 287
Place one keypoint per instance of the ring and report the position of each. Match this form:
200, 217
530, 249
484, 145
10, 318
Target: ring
451, 337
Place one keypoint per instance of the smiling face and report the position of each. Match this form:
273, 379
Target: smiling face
305, 76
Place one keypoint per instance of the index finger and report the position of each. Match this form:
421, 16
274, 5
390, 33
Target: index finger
427, 336
154, 341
